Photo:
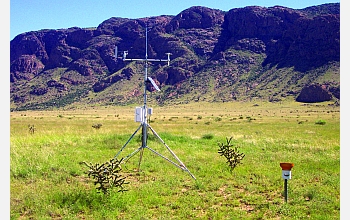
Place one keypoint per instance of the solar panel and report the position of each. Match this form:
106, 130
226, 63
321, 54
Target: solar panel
153, 83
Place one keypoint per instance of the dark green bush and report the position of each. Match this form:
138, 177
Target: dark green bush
231, 153
320, 122
208, 136
107, 175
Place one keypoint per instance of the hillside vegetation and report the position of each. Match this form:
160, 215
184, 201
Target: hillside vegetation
244, 54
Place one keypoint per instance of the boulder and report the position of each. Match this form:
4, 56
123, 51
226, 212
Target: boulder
314, 93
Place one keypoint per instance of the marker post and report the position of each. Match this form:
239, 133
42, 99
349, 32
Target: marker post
286, 175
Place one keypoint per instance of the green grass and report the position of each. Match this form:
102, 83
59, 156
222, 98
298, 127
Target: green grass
49, 181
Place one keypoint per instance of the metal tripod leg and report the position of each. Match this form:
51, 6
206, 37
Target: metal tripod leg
144, 145
144, 140
141, 154
125, 159
181, 166
128, 142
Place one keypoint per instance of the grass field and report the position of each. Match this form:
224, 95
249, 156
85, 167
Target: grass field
48, 179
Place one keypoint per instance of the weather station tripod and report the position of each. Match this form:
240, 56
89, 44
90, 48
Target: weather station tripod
141, 116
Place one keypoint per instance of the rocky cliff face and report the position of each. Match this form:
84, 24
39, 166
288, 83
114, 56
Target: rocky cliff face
241, 48
288, 37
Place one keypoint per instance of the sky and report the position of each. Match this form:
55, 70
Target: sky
34, 15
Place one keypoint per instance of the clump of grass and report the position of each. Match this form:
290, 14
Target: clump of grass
320, 122
31, 129
249, 119
208, 136
218, 119
97, 126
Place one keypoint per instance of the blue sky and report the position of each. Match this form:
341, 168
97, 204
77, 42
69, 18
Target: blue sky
33, 15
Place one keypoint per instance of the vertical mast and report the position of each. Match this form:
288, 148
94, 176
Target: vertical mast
144, 128
146, 66
144, 125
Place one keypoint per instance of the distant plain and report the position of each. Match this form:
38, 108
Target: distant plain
49, 181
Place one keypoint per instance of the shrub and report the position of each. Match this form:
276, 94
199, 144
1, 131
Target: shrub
218, 119
208, 136
320, 122
232, 154
31, 129
107, 175
97, 126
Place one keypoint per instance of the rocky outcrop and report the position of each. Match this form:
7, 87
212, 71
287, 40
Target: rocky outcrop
103, 84
26, 67
196, 17
59, 86
314, 93
39, 91
198, 38
173, 75
288, 37
335, 91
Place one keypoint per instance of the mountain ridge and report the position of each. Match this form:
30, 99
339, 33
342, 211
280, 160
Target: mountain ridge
242, 54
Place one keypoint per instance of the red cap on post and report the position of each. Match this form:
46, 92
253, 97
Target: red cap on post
287, 166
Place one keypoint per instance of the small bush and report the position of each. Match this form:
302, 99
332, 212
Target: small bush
208, 136
31, 129
218, 119
232, 154
320, 122
97, 126
107, 175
